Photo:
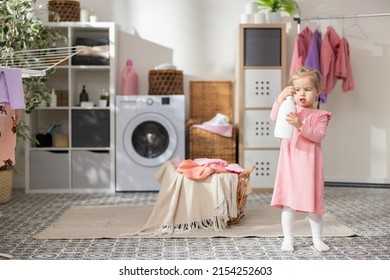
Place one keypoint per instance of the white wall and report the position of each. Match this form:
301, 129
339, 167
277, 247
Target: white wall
199, 36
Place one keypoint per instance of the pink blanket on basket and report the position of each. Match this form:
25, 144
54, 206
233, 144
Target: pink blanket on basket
223, 130
201, 168
219, 125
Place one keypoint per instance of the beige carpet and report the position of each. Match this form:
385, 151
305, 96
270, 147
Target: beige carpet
122, 221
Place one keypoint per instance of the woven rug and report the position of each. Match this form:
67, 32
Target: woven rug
123, 221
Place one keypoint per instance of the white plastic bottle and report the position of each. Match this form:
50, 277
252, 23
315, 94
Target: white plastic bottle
53, 100
282, 128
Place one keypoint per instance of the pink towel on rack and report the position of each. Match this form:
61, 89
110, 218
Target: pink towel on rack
11, 88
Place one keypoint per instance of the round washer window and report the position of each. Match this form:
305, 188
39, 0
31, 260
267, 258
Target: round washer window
150, 139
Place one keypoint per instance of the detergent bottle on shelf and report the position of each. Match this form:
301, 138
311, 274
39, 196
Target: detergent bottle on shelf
129, 79
282, 128
53, 100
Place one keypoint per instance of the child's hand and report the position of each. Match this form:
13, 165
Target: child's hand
287, 91
292, 118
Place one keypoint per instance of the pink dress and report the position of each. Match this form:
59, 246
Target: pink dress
299, 182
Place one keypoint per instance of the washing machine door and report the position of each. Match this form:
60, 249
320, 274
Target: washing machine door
150, 139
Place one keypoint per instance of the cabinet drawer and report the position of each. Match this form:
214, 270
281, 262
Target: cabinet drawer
49, 170
262, 86
259, 130
266, 162
90, 128
91, 169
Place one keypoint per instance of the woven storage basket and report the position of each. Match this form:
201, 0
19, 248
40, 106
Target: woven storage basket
206, 144
67, 10
166, 82
5, 185
207, 98
242, 193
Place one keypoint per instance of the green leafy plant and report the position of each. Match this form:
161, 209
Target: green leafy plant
22, 30
289, 6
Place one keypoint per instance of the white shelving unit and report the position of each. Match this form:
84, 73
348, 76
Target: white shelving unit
261, 77
82, 156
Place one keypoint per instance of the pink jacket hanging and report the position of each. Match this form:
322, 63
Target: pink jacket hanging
329, 52
343, 69
301, 49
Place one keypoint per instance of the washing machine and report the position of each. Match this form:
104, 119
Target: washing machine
150, 130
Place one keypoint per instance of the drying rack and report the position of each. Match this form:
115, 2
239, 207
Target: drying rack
36, 62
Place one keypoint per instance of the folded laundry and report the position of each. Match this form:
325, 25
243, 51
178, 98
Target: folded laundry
219, 119
99, 51
201, 168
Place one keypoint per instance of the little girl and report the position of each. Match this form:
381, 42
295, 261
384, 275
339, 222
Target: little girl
299, 184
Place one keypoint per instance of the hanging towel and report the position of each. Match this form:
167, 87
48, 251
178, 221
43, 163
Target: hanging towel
301, 49
343, 69
11, 88
329, 52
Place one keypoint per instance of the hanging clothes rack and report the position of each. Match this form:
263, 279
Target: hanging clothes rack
300, 19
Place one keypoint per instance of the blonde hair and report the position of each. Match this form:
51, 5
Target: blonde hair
314, 75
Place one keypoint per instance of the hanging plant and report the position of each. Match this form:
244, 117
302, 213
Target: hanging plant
22, 30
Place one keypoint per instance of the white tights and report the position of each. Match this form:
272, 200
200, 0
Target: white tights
315, 220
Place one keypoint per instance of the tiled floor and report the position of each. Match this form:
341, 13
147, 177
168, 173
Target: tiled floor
365, 210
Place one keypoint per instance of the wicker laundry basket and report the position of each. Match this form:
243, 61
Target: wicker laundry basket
207, 98
6, 177
166, 82
67, 10
243, 189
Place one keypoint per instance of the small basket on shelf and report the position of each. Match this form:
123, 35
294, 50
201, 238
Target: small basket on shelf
166, 82
67, 10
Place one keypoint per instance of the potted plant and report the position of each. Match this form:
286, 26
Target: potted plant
6, 176
21, 30
276, 6
103, 102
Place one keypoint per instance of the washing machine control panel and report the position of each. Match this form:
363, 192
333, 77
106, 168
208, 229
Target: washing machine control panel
149, 101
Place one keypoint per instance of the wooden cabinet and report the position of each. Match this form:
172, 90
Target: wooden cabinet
261, 77
79, 156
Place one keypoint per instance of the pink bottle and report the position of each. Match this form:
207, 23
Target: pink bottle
129, 81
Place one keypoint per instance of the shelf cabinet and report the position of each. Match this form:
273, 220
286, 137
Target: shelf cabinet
79, 154
261, 77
